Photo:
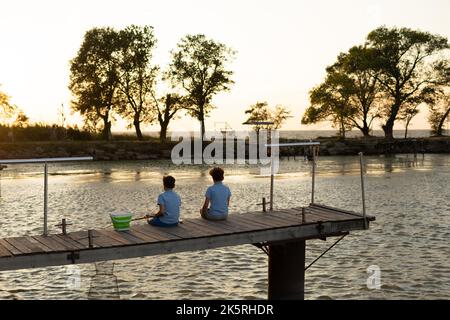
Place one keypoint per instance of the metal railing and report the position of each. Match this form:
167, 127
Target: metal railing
315, 148
45, 161
313, 144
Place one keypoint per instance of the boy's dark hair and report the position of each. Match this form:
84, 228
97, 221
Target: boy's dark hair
169, 182
216, 173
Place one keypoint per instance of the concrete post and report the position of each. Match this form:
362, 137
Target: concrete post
287, 271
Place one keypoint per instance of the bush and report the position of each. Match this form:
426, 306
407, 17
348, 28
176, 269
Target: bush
43, 132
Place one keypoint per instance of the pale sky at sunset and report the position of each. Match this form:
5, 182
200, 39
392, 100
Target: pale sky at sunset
282, 47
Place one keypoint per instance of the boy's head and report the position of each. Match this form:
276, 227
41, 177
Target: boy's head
169, 182
217, 174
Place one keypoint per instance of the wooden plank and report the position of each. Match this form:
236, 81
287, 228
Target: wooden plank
4, 252
329, 215
309, 217
51, 243
64, 239
257, 225
287, 218
142, 235
277, 221
234, 225
182, 231
241, 224
281, 217
191, 226
19, 245
357, 215
116, 238
216, 225
208, 227
263, 222
80, 237
66, 244
155, 233
35, 245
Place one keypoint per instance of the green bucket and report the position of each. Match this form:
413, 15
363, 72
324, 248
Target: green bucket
121, 221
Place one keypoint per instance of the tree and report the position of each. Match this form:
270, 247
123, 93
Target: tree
330, 101
261, 112
21, 120
403, 66
136, 75
350, 94
407, 113
440, 107
94, 78
352, 72
439, 113
166, 109
7, 110
199, 67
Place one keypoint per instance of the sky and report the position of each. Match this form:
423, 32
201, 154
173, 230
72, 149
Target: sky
283, 47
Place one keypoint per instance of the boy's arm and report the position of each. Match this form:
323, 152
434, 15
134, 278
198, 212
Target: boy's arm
205, 206
161, 211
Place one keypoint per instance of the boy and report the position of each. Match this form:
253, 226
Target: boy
169, 203
218, 195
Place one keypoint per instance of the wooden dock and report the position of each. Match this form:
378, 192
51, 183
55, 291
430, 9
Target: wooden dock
283, 232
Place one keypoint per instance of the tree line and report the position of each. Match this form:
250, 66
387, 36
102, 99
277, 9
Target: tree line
387, 78
114, 74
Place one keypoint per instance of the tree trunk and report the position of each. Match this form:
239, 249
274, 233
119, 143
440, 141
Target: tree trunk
106, 128
441, 123
342, 130
137, 126
388, 128
365, 131
406, 127
163, 133
201, 118
202, 127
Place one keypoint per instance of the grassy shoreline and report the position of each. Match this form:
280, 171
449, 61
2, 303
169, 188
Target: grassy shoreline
154, 150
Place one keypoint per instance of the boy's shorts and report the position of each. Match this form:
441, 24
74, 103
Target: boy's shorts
158, 223
209, 216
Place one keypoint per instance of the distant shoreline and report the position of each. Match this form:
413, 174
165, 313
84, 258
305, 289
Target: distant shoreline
154, 150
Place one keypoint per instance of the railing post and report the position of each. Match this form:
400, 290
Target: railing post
313, 173
361, 165
45, 198
271, 180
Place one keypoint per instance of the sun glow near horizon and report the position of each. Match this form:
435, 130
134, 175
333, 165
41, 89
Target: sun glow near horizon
283, 47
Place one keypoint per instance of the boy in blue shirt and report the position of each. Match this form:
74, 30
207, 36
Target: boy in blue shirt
169, 203
217, 197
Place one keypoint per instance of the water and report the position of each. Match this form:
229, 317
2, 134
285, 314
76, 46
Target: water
409, 241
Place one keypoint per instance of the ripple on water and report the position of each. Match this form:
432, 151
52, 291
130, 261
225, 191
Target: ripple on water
408, 241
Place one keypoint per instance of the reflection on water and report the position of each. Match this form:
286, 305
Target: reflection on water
409, 241
104, 284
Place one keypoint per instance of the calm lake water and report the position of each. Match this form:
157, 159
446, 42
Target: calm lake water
409, 241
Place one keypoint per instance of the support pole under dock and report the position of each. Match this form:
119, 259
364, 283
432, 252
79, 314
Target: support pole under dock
287, 271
